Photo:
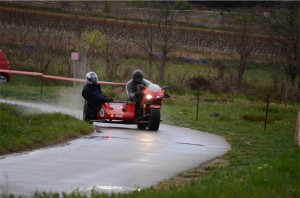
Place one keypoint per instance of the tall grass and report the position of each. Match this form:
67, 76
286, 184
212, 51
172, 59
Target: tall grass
26, 128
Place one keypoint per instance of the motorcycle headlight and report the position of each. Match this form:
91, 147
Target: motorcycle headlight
149, 97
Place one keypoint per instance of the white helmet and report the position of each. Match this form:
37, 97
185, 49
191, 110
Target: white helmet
91, 77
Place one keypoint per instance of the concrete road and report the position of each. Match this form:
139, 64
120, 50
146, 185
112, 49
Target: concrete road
115, 158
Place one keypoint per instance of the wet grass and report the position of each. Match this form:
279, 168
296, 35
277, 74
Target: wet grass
26, 128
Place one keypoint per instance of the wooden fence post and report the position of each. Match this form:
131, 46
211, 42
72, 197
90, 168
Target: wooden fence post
297, 131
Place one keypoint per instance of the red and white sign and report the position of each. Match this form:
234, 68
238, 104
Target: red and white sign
74, 56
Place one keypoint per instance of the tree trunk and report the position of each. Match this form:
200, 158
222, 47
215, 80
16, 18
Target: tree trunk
241, 70
109, 72
299, 83
293, 77
150, 66
162, 71
162, 67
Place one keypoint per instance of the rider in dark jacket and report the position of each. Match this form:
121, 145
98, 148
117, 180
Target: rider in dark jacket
134, 91
92, 93
132, 87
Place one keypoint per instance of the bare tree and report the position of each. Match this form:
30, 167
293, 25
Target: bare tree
44, 54
90, 45
159, 34
168, 33
283, 22
244, 44
114, 48
145, 37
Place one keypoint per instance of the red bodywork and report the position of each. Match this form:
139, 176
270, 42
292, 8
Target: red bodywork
4, 64
124, 110
117, 111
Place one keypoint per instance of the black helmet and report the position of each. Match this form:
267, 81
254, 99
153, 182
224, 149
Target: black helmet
137, 76
91, 77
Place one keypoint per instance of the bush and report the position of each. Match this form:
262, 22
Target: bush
198, 82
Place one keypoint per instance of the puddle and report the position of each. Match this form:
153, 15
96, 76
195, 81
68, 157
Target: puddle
192, 144
111, 137
108, 189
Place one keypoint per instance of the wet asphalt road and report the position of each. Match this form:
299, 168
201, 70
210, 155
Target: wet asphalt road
114, 158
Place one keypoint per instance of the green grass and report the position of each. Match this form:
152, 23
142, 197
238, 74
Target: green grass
261, 163
25, 128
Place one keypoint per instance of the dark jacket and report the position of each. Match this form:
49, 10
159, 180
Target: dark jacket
132, 88
92, 93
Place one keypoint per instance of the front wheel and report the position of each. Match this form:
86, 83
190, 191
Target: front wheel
154, 120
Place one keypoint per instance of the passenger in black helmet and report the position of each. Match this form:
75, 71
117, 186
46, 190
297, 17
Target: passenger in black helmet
93, 96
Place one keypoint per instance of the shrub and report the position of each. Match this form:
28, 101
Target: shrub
198, 82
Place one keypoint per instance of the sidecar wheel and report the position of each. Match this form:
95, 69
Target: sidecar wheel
154, 120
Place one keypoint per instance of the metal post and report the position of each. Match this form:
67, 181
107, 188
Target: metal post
267, 109
197, 112
297, 132
42, 82
74, 58
74, 66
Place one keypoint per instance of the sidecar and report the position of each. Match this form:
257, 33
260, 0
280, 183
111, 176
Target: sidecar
124, 111
116, 111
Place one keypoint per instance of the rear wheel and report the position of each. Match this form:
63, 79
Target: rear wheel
154, 120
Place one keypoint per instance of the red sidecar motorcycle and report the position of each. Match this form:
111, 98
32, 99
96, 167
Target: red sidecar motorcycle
125, 112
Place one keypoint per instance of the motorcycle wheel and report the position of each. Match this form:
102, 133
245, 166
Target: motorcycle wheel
154, 120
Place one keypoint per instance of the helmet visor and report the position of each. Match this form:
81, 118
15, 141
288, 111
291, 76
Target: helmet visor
94, 79
138, 79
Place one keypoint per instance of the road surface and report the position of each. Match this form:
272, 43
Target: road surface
115, 158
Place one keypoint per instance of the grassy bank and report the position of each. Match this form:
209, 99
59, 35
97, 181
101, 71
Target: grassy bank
25, 128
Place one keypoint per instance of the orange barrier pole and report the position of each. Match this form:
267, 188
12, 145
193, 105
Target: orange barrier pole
21, 72
56, 77
63, 78
79, 80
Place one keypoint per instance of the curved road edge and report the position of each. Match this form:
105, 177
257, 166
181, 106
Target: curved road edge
115, 158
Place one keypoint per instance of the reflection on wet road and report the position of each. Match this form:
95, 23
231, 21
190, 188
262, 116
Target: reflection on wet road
114, 158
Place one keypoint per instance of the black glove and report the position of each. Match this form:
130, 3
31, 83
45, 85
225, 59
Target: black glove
138, 94
167, 95
109, 100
